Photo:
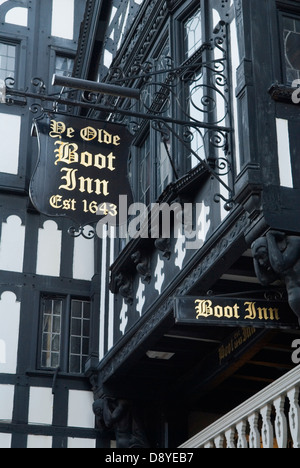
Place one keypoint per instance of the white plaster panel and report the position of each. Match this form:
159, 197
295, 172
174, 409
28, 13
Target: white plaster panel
39, 442
63, 19
284, 153
40, 406
9, 332
81, 409
49, 250
12, 245
5, 441
83, 259
10, 128
17, 16
6, 402
81, 443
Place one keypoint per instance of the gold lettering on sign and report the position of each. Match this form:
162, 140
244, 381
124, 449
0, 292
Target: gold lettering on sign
58, 128
90, 133
206, 309
100, 187
86, 134
261, 313
66, 153
70, 179
237, 340
57, 202
251, 311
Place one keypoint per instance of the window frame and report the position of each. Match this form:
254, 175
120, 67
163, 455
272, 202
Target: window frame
17, 44
170, 36
281, 15
65, 332
54, 53
11, 44
20, 43
183, 15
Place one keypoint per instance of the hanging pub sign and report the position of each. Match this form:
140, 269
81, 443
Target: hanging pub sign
225, 311
82, 168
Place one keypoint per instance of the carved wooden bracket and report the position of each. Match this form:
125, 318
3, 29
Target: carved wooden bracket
142, 263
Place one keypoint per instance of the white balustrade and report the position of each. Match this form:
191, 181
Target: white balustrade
270, 419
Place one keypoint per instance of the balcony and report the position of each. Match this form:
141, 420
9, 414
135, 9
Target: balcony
270, 419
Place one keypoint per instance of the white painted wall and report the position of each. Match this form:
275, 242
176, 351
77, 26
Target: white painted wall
9, 332
81, 443
39, 442
5, 441
111, 315
103, 288
6, 402
80, 409
49, 250
284, 153
83, 259
12, 245
17, 16
63, 19
10, 128
40, 406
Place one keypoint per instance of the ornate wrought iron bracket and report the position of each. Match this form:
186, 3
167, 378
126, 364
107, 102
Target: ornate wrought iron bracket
198, 90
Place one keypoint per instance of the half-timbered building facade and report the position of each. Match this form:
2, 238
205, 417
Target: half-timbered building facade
149, 330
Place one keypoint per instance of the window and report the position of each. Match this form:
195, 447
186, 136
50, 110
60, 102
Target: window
51, 334
154, 167
193, 40
291, 40
164, 169
65, 333
79, 336
145, 168
7, 60
193, 33
64, 65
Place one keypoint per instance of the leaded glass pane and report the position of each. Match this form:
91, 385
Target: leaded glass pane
64, 66
7, 61
79, 336
193, 33
51, 332
291, 36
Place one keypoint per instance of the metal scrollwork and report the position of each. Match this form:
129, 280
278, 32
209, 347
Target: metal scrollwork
198, 90
87, 232
10, 82
37, 109
39, 84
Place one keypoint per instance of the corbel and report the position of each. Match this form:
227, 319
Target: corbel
142, 263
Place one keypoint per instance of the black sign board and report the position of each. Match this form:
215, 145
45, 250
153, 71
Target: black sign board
82, 168
225, 311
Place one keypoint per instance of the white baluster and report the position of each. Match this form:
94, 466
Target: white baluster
254, 438
219, 441
294, 416
267, 427
209, 445
281, 427
230, 438
242, 440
